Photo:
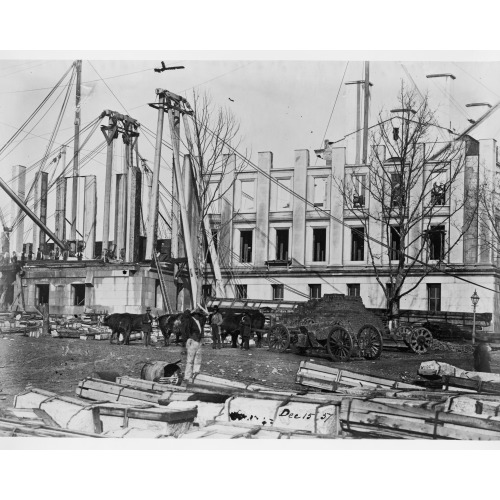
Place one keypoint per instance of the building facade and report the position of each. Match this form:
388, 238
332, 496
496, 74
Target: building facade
284, 232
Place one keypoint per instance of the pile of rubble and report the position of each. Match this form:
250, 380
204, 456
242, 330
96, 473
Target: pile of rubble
328, 403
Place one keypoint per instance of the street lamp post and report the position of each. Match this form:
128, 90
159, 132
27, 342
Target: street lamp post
475, 300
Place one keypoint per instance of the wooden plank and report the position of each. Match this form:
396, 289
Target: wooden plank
345, 377
470, 384
157, 414
418, 420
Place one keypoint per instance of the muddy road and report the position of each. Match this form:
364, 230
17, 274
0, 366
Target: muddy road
58, 365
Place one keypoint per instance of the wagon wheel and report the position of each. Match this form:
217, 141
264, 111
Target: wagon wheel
370, 342
278, 338
420, 340
339, 344
404, 332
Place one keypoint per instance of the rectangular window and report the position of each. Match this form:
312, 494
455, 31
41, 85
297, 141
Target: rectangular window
438, 187
278, 292
359, 190
280, 195
281, 244
42, 294
246, 238
353, 290
434, 297
206, 291
357, 243
436, 238
319, 244
315, 291
395, 242
241, 291
78, 295
319, 195
397, 193
248, 196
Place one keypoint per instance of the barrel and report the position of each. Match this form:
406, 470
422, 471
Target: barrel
161, 371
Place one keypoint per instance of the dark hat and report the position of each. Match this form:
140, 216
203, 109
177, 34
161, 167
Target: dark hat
148, 308
216, 308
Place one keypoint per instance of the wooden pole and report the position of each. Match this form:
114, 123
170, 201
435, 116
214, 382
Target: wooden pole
365, 111
153, 204
30, 214
174, 130
107, 191
76, 157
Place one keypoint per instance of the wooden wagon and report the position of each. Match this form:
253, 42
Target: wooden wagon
339, 324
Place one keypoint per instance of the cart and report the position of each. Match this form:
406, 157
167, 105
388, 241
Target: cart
412, 335
337, 324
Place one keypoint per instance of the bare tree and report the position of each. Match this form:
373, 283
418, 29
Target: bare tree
215, 136
409, 200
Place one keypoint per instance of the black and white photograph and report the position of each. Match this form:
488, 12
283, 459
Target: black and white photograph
250, 249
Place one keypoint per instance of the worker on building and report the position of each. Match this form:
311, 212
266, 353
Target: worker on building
30, 254
6, 258
215, 323
39, 254
79, 254
192, 335
14, 257
122, 254
246, 331
23, 257
147, 326
57, 255
52, 254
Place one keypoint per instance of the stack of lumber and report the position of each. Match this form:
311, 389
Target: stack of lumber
13, 428
19, 324
374, 419
330, 379
207, 406
78, 415
33, 422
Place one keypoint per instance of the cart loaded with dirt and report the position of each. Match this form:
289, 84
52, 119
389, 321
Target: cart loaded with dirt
337, 324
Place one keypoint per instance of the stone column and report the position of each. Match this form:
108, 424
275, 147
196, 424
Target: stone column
226, 232
89, 216
18, 186
60, 216
133, 229
299, 206
337, 207
262, 209
40, 210
120, 212
486, 212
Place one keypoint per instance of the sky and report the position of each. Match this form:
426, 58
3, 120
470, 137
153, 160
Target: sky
281, 105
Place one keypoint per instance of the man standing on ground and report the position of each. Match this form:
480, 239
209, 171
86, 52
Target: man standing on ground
147, 326
215, 323
246, 332
192, 334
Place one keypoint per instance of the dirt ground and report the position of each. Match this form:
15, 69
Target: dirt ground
59, 364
